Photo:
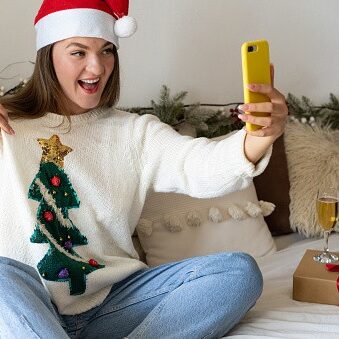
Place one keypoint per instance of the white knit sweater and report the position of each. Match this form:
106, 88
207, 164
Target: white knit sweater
116, 158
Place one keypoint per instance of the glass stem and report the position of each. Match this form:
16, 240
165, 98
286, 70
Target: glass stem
326, 235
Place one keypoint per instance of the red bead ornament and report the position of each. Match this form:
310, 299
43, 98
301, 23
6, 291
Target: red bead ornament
93, 262
48, 216
56, 181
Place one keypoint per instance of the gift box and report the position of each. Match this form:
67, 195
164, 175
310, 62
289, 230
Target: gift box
315, 282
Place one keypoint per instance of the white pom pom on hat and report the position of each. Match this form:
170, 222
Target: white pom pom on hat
125, 27
105, 19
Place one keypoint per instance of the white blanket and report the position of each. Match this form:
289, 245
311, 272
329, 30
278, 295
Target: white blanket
276, 314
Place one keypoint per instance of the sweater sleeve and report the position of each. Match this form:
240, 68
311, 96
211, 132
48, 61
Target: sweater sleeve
198, 167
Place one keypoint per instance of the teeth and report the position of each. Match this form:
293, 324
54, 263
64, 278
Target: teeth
90, 81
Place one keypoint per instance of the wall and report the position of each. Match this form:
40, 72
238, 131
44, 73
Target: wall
194, 45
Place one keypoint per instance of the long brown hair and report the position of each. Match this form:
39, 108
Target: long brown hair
43, 93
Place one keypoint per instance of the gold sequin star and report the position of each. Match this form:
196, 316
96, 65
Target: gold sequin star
54, 150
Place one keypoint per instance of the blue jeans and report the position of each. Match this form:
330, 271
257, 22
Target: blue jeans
201, 297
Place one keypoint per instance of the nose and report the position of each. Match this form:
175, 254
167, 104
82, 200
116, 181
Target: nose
95, 66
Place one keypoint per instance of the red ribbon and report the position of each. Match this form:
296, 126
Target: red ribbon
333, 268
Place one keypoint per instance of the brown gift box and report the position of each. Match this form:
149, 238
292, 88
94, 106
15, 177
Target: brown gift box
313, 283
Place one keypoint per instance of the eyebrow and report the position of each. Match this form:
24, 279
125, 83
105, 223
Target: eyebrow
77, 44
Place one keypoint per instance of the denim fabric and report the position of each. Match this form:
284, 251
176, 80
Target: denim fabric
201, 297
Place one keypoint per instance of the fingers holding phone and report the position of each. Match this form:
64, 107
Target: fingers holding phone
276, 111
265, 107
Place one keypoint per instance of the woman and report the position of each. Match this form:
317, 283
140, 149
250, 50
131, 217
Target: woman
68, 265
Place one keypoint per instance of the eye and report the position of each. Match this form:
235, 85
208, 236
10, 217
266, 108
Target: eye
108, 51
78, 53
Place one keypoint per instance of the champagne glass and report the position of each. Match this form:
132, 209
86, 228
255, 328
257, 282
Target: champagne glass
327, 212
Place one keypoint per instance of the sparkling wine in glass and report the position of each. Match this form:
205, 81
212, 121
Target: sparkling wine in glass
327, 213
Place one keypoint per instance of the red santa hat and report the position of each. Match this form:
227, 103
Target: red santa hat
61, 19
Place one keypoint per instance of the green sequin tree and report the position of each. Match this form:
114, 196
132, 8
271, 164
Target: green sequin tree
52, 188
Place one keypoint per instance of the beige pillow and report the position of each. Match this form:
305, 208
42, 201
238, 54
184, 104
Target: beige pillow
313, 159
175, 226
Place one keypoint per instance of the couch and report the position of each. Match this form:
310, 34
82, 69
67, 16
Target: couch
303, 159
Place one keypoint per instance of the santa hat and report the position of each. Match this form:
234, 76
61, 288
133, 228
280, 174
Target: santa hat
61, 19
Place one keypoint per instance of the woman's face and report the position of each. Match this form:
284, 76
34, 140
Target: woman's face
83, 66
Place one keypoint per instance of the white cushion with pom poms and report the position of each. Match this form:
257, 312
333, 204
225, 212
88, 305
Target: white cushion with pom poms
184, 227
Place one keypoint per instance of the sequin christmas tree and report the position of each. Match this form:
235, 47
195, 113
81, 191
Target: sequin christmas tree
53, 190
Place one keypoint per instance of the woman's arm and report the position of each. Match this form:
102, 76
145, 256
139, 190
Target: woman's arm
4, 121
198, 167
257, 142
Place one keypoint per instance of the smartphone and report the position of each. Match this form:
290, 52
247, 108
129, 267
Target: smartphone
255, 59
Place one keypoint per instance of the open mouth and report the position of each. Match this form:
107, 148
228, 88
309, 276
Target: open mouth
90, 86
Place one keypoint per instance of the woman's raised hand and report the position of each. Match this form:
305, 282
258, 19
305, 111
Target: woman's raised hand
274, 124
4, 121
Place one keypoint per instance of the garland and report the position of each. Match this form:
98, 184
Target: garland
213, 120
206, 121
305, 111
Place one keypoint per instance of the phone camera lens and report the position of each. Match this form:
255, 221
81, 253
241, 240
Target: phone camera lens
250, 48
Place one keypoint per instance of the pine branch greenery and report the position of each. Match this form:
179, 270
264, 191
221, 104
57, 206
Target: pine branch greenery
169, 110
208, 122
303, 110
212, 120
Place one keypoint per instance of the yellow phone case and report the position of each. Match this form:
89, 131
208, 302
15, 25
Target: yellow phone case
255, 69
